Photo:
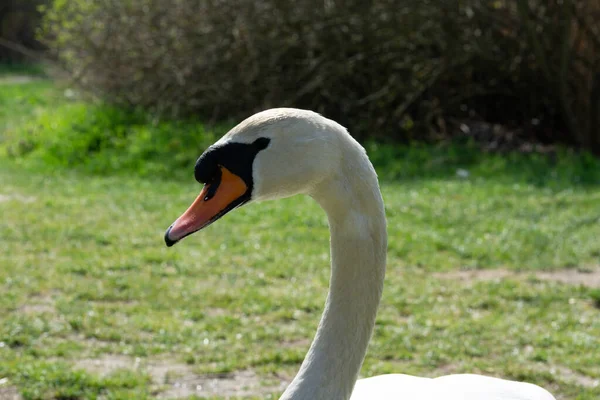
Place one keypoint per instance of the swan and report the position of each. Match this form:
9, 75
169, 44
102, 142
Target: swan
282, 152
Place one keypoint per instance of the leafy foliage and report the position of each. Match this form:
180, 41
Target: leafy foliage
18, 23
382, 68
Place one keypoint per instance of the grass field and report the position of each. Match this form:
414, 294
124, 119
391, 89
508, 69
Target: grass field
495, 273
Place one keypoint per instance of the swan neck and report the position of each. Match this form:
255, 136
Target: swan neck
357, 224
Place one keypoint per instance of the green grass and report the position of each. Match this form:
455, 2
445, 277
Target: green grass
42, 125
45, 126
85, 273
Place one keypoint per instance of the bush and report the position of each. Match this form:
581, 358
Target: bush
18, 22
563, 37
384, 69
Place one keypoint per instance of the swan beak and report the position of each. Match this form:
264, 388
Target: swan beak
210, 205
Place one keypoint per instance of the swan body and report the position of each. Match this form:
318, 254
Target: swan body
448, 387
282, 152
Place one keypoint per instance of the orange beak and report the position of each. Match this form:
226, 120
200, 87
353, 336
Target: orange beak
210, 205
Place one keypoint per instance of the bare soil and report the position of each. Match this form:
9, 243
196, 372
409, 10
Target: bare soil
14, 80
9, 393
588, 278
15, 197
177, 380
38, 305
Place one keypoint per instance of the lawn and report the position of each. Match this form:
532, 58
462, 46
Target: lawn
493, 270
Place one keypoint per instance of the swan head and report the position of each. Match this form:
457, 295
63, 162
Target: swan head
273, 154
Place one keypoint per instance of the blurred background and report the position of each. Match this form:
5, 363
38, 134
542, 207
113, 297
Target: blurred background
389, 70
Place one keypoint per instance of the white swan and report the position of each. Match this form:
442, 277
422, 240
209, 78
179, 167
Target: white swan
282, 152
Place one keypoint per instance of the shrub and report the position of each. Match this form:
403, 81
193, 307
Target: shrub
563, 37
18, 22
384, 69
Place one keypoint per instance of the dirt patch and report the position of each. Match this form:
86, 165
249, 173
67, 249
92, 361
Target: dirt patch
295, 344
235, 384
589, 278
107, 364
216, 312
575, 377
38, 305
476, 275
570, 277
15, 197
16, 80
176, 380
446, 369
8, 392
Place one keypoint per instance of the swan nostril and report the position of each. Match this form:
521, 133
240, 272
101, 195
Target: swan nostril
211, 190
213, 185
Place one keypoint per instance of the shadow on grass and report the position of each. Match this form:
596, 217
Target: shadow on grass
560, 169
33, 70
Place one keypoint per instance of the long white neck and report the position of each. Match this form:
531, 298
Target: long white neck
355, 210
